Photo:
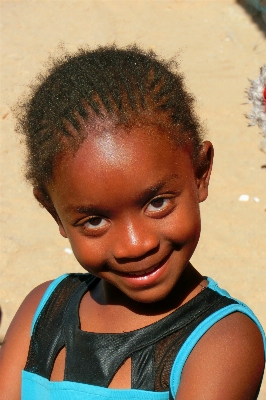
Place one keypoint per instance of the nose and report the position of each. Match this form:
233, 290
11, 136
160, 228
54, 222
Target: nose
134, 240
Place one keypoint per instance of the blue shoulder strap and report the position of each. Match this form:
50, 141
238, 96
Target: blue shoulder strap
45, 298
202, 328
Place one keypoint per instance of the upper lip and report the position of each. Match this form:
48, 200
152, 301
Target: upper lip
144, 270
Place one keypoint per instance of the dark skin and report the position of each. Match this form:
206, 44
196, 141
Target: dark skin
135, 223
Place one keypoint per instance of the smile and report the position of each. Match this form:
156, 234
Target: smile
147, 276
141, 273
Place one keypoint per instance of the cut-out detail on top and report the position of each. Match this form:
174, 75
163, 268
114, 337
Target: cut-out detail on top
94, 358
58, 370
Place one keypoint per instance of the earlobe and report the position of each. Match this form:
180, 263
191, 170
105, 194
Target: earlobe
204, 170
43, 198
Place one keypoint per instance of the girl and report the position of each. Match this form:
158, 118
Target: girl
116, 156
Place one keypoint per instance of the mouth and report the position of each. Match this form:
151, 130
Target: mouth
143, 273
149, 272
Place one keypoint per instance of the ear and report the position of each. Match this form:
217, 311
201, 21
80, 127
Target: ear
43, 198
203, 170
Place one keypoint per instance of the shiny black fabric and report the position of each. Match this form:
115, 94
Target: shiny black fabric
94, 358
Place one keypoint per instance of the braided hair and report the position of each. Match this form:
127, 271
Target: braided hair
122, 84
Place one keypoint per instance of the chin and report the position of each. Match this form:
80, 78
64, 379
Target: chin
149, 295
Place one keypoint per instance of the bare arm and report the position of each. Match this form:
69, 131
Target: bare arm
14, 351
227, 363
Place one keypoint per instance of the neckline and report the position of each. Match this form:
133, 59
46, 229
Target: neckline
74, 304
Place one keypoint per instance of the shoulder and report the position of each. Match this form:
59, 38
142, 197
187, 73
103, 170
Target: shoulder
14, 351
25, 313
227, 361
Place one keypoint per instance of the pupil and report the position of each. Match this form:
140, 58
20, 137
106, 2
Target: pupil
158, 203
95, 221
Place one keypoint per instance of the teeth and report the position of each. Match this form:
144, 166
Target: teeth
142, 272
139, 273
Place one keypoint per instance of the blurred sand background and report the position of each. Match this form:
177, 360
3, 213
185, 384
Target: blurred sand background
220, 45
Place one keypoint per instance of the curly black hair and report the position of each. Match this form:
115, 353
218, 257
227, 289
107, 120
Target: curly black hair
124, 84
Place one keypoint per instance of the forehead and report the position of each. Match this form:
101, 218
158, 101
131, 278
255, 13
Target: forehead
115, 146
109, 160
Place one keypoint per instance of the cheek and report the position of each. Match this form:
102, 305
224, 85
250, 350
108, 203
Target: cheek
90, 253
192, 225
185, 226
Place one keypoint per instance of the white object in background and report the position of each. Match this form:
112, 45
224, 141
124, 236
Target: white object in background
257, 96
68, 250
244, 197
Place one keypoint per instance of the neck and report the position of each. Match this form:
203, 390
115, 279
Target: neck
185, 289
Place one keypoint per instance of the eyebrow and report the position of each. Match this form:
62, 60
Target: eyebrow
84, 209
156, 187
144, 196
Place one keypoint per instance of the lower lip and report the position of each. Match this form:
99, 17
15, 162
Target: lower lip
149, 278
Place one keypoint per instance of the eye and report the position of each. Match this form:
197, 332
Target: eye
96, 225
160, 207
158, 204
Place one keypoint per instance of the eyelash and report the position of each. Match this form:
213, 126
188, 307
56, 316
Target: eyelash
97, 229
158, 212
162, 210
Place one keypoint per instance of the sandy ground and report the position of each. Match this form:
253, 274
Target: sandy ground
220, 45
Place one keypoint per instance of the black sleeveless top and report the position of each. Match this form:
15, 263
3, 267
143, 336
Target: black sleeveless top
94, 358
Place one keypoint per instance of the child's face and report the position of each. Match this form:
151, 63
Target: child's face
129, 204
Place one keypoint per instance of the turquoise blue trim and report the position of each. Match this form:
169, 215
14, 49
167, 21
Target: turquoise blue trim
214, 286
45, 297
202, 328
36, 387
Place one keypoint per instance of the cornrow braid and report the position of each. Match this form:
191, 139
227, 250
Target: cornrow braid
122, 84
